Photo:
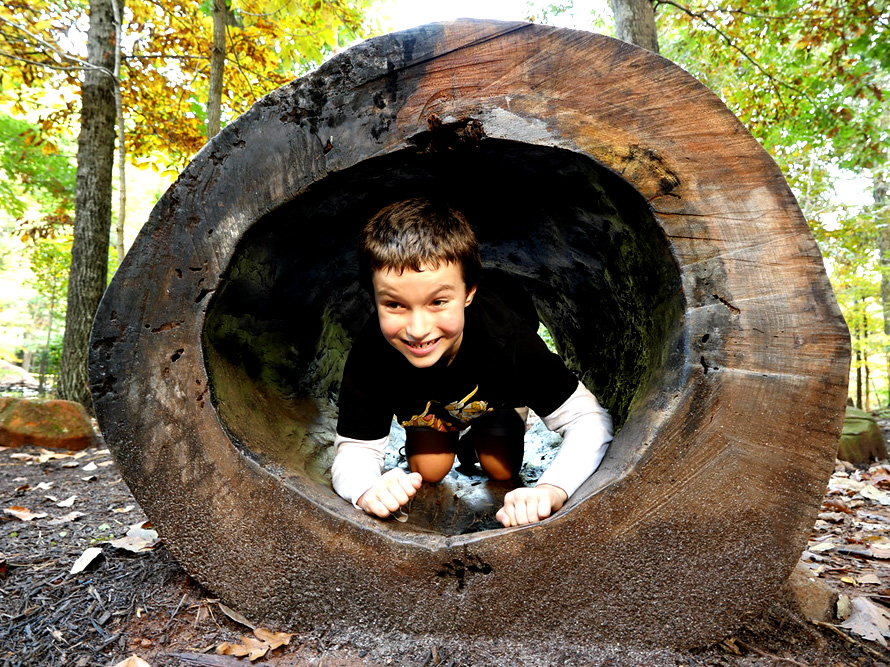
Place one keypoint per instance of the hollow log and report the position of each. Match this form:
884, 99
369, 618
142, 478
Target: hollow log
663, 250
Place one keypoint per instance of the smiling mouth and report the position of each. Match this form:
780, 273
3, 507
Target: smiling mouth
422, 346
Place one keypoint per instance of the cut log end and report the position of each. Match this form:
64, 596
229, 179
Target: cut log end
664, 252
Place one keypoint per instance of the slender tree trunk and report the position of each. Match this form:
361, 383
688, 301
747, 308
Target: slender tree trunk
635, 22
867, 380
857, 335
121, 146
217, 67
92, 220
881, 193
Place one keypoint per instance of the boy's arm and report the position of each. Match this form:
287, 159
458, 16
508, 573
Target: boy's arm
356, 477
357, 466
586, 429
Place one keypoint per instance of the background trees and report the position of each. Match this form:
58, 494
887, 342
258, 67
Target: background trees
808, 77
176, 70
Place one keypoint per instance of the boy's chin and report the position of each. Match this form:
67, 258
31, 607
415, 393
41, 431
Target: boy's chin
422, 362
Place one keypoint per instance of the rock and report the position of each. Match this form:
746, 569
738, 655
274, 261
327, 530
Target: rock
815, 599
45, 423
861, 440
15, 377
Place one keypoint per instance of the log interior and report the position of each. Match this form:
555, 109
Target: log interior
577, 237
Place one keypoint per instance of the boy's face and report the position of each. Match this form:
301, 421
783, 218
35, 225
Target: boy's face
421, 313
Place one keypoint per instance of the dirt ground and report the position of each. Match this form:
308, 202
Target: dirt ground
134, 600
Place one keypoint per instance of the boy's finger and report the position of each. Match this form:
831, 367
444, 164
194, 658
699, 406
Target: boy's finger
400, 495
519, 513
407, 484
377, 508
390, 502
543, 507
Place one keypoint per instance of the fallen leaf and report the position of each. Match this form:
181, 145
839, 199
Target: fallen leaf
254, 649
869, 579
822, 546
68, 502
89, 467
123, 510
85, 559
71, 516
133, 661
844, 608
89, 478
879, 541
874, 493
228, 648
844, 484
235, 616
23, 513
869, 620
105, 464
22, 488
45, 486
273, 639
138, 538
47, 455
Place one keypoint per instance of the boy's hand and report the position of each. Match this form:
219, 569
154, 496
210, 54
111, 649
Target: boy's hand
393, 490
530, 505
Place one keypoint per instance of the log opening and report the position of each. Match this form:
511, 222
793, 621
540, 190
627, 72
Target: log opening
592, 258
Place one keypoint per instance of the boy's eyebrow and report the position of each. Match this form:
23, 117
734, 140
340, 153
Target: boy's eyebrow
383, 291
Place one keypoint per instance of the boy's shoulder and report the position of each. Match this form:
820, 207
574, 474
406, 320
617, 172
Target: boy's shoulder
495, 316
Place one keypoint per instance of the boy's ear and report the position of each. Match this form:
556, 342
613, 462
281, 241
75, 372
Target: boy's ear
470, 294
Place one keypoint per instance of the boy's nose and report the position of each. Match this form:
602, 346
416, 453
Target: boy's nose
418, 325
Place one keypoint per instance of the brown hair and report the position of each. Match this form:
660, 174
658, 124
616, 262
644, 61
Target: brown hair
416, 234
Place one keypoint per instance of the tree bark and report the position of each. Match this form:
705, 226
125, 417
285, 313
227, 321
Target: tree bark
118, 7
635, 22
93, 193
881, 211
217, 67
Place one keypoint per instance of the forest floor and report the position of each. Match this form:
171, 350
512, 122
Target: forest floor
132, 605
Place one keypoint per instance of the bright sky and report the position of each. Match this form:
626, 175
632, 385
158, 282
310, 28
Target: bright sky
402, 14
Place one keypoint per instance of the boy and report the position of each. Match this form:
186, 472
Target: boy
443, 355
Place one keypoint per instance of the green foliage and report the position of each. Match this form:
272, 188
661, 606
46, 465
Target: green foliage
810, 72
37, 176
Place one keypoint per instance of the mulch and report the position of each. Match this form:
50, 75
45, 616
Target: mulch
141, 603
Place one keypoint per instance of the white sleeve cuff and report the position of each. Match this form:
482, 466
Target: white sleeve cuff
357, 466
586, 430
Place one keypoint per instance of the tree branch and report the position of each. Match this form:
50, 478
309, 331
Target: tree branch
733, 45
55, 49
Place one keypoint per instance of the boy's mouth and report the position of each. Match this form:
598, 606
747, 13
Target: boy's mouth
420, 347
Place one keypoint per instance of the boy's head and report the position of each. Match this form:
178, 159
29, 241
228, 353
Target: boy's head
419, 234
421, 262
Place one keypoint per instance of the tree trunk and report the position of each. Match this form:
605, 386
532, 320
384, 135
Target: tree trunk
92, 220
635, 22
881, 194
217, 68
662, 249
118, 7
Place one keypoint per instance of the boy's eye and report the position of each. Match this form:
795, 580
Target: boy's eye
392, 305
